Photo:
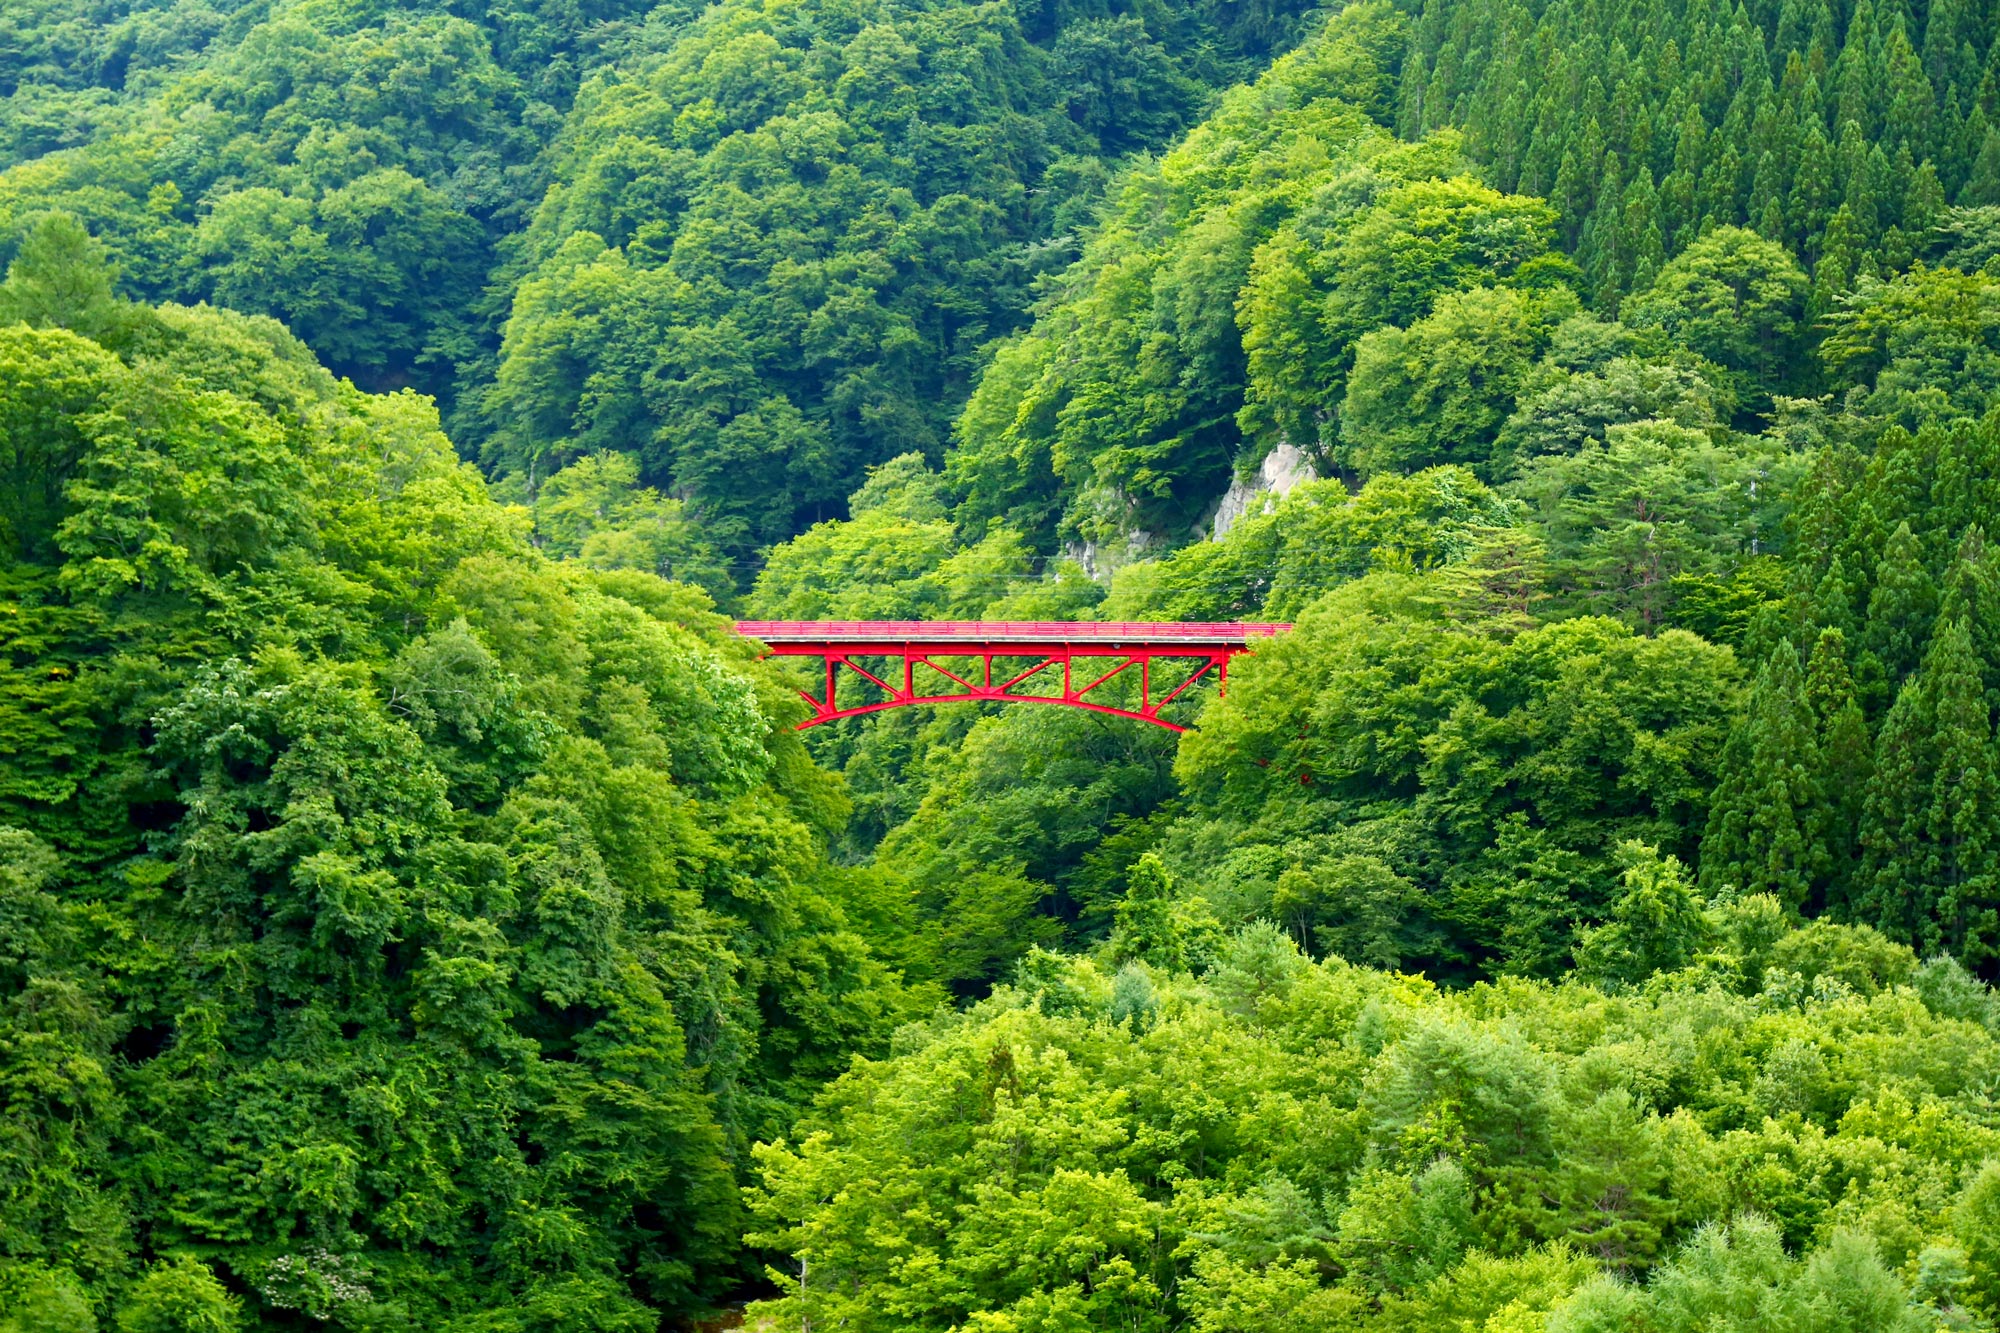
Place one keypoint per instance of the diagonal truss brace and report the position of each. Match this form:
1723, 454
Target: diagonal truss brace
1189, 665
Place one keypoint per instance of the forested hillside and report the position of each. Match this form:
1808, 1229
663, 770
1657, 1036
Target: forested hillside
419, 922
758, 247
417, 910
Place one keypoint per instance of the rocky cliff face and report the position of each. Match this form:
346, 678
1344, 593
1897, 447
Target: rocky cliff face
1283, 468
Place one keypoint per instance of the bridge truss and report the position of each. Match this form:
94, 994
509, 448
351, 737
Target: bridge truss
871, 665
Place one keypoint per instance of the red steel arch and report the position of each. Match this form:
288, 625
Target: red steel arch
1050, 647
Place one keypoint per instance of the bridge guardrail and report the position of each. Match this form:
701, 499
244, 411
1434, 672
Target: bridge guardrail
1009, 631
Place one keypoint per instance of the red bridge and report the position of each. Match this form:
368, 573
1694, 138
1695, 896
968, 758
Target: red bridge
1033, 654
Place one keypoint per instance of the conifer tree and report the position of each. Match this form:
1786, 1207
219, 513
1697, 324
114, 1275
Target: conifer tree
1841, 252
1767, 819
1958, 142
1912, 101
1678, 220
1855, 76
1410, 95
1982, 186
1691, 142
1767, 215
1989, 78
1960, 821
1965, 486
1721, 185
1830, 604
1929, 840
1603, 253
1923, 204
1845, 759
1902, 604
1972, 595
1850, 157
1945, 50
1888, 889
1823, 513
1812, 189
1643, 239
1868, 193
1436, 104
1545, 146
1794, 26
1570, 198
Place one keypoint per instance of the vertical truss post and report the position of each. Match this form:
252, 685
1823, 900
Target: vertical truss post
1208, 648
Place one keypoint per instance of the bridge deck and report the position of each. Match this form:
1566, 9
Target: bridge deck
918, 650
990, 634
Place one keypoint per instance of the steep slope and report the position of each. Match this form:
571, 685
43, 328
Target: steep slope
1118, 417
1195, 338
1573, 580
771, 255
824, 210
350, 170
403, 927
1839, 131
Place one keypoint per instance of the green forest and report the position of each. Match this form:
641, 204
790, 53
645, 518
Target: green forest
420, 910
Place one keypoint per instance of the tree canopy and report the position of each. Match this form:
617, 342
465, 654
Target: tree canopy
418, 911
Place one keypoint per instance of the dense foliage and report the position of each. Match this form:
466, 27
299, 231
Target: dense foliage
772, 255
756, 248
1839, 130
350, 169
1324, 1147
417, 912
413, 928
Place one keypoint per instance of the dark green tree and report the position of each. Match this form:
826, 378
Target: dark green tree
1770, 813
1846, 756
1901, 605
1734, 297
1928, 873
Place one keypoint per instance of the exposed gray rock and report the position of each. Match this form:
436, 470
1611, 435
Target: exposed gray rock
1282, 469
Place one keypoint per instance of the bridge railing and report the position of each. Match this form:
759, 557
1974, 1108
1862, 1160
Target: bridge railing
1006, 631
913, 654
